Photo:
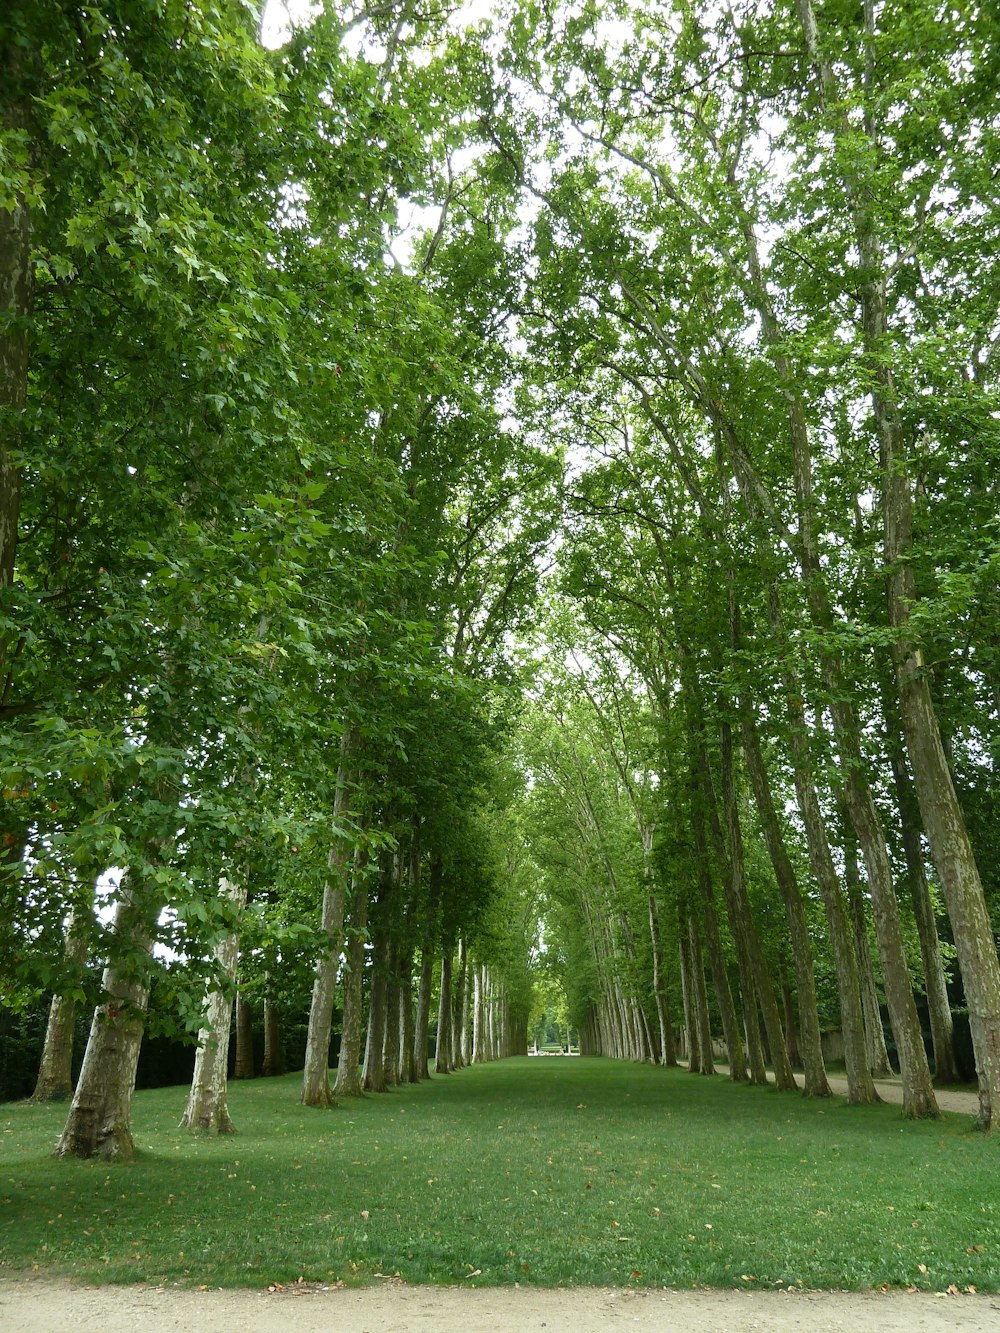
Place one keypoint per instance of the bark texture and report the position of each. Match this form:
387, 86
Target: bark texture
99, 1121
208, 1106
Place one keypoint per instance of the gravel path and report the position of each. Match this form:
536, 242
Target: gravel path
43, 1306
891, 1090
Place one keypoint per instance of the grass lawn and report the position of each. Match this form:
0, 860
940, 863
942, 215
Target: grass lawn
530, 1171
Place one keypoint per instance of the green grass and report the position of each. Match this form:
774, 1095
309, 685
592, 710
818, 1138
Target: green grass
530, 1171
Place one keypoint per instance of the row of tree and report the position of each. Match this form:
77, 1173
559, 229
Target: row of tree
765, 325
707, 311
266, 536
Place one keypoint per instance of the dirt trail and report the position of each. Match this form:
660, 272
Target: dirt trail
891, 1090
43, 1306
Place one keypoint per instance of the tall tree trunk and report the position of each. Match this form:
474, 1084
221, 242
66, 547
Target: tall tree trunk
920, 725
15, 309
390, 1039
860, 1087
244, 1067
407, 1068
692, 1029
459, 1037
55, 1069
935, 986
99, 1121
316, 1089
478, 1017
442, 1053
878, 1055
422, 1022
348, 1081
373, 1078
706, 1063
731, 1025
668, 1043
273, 1063
744, 963
783, 1076
816, 1084
791, 1032
208, 1105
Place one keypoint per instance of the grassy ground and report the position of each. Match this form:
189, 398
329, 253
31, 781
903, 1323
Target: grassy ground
530, 1171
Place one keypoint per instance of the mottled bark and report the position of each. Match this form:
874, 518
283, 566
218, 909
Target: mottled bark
55, 1069
99, 1121
348, 1080
208, 1107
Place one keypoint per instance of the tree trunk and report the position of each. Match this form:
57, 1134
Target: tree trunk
816, 1084
755, 1050
459, 1037
373, 1078
99, 1121
919, 722
208, 1106
935, 986
442, 1051
707, 1063
668, 1043
422, 1022
407, 1068
244, 1067
348, 1081
860, 1087
731, 1026
15, 308
791, 1031
55, 1070
783, 1076
878, 1055
959, 875
391, 1036
421, 1026
316, 1073
692, 1039
273, 1063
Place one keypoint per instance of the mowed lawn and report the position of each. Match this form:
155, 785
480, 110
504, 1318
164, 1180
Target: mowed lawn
546, 1171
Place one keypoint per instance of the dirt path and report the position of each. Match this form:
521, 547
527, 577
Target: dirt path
891, 1090
43, 1306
